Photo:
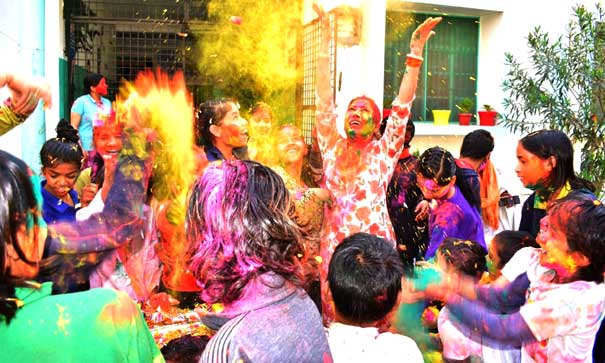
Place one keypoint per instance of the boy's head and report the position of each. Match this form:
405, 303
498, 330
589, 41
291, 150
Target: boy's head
365, 278
465, 256
477, 145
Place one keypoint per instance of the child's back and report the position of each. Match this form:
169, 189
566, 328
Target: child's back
365, 279
351, 343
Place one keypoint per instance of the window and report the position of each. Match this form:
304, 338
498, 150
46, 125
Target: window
449, 70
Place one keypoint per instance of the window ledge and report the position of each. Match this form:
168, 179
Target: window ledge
428, 128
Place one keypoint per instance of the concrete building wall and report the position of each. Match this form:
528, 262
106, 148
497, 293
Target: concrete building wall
32, 42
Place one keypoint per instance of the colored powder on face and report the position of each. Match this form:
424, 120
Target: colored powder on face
368, 128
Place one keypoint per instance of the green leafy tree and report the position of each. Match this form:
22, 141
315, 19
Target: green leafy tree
563, 88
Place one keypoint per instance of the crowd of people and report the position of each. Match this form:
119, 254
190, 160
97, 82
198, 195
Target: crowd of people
348, 250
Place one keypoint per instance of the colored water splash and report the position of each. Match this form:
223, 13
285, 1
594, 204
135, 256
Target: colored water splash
164, 105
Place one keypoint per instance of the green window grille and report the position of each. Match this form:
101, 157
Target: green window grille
449, 70
306, 96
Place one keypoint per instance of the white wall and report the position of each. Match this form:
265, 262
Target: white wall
18, 55
360, 67
10, 18
54, 43
507, 32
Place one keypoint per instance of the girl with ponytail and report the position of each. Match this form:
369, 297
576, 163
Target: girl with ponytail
453, 213
61, 159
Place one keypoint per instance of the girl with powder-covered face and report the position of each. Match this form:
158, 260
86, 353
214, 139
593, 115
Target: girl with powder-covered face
221, 130
451, 215
309, 202
357, 168
260, 145
61, 159
36, 325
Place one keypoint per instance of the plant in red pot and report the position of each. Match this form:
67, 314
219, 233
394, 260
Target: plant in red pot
465, 107
488, 116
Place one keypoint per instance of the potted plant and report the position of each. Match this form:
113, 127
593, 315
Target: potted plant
441, 117
487, 117
465, 107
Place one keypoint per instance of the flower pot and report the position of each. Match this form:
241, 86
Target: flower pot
487, 118
441, 117
464, 119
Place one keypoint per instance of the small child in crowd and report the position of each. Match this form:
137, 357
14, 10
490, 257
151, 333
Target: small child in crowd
365, 280
502, 248
464, 257
61, 159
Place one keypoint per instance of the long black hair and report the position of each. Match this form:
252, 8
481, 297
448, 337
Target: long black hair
547, 143
19, 207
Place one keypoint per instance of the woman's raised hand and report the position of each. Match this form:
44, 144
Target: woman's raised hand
26, 93
422, 33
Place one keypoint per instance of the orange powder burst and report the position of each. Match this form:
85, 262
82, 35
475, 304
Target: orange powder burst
164, 105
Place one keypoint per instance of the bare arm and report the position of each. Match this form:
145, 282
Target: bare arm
75, 119
410, 79
505, 328
23, 101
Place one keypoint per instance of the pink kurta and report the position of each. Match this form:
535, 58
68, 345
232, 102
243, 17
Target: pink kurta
358, 181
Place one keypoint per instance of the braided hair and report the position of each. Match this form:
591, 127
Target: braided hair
65, 148
466, 256
438, 164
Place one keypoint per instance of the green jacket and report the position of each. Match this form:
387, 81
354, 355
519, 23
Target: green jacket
99, 325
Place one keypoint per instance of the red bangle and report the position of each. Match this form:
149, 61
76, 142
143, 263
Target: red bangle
413, 61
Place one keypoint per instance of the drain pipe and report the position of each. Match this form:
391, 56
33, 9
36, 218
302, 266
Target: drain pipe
31, 38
